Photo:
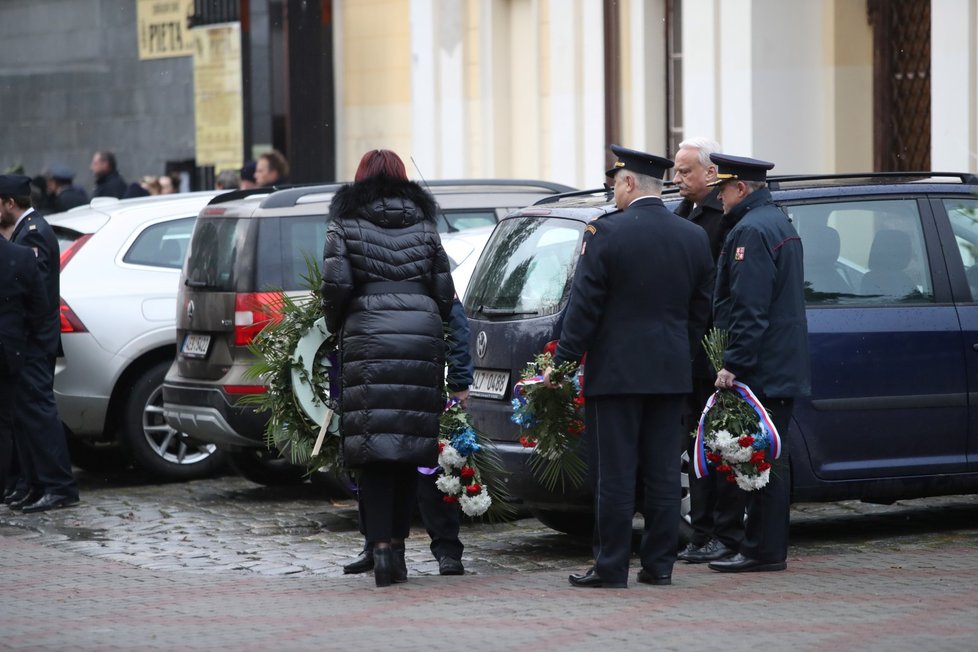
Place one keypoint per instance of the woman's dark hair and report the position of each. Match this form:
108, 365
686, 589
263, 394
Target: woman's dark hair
380, 162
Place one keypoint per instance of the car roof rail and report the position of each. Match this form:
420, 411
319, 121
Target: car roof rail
964, 177
668, 188
231, 195
549, 186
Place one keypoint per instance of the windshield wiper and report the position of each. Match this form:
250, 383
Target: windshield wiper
505, 312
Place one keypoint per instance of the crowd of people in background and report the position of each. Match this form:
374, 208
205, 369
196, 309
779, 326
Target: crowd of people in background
54, 190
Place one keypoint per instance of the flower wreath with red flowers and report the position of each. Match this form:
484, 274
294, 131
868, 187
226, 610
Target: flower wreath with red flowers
551, 420
735, 434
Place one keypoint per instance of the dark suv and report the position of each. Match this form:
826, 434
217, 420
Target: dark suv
245, 246
891, 281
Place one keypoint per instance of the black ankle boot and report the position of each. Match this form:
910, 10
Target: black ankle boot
383, 566
399, 571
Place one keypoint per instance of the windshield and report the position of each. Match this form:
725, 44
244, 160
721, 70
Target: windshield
526, 270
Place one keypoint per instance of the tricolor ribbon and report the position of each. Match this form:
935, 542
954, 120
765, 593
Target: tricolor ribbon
525, 382
700, 467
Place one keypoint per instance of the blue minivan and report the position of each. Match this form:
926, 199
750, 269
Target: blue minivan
891, 282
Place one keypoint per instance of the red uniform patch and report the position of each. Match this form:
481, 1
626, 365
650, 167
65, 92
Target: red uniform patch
739, 253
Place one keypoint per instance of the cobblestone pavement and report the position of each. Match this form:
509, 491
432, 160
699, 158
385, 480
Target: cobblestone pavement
225, 564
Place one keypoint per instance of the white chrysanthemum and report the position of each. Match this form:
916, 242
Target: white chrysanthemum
752, 482
449, 458
728, 446
475, 505
449, 484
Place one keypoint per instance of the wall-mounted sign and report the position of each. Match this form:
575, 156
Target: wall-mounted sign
218, 107
162, 26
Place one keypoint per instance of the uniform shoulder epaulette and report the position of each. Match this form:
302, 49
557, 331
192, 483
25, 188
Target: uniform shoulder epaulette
32, 227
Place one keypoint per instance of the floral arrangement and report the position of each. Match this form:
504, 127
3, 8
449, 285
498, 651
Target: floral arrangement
467, 462
551, 420
735, 432
290, 430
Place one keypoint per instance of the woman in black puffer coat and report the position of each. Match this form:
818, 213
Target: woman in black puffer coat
387, 289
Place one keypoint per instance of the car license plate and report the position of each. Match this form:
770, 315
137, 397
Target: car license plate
489, 384
195, 346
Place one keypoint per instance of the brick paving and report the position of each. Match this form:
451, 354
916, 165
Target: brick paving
224, 565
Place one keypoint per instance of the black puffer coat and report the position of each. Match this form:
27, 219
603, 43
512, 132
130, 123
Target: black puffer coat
392, 347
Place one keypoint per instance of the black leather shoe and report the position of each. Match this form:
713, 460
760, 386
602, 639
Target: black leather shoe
399, 571
591, 580
450, 566
712, 550
740, 564
19, 500
361, 564
690, 547
646, 577
49, 501
383, 566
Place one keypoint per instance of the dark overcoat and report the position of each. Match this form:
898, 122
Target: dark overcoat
639, 302
760, 299
34, 231
392, 347
23, 304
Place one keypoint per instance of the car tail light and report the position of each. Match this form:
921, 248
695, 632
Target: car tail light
551, 347
72, 249
69, 320
252, 312
245, 389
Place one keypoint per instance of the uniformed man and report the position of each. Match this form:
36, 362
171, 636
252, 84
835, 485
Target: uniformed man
64, 195
46, 479
759, 301
638, 306
716, 507
22, 311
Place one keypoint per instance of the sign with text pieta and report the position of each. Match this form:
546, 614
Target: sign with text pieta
162, 26
218, 107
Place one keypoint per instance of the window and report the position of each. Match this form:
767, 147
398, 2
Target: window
161, 245
863, 252
963, 214
215, 246
451, 221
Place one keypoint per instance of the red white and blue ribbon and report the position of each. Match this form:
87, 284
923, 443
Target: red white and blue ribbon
700, 467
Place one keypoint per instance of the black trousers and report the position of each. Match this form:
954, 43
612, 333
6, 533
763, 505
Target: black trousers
387, 493
630, 436
39, 435
8, 402
441, 520
768, 509
716, 507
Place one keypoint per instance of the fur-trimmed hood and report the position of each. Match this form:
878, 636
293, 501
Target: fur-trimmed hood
386, 202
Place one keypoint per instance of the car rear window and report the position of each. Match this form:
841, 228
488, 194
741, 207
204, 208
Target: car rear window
65, 236
284, 246
526, 269
214, 248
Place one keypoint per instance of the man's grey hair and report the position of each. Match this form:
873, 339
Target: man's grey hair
704, 147
645, 183
755, 185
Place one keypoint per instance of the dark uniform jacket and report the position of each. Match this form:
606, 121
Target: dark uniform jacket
639, 302
68, 198
392, 345
23, 304
110, 185
760, 300
34, 231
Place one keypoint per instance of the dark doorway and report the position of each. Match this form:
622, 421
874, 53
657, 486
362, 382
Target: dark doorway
901, 84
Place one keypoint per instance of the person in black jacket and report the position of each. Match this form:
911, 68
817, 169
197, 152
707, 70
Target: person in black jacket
441, 520
387, 289
638, 307
716, 507
46, 478
108, 181
22, 311
63, 194
759, 300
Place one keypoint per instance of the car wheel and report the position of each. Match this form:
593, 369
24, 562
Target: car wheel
266, 467
157, 447
97, 457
